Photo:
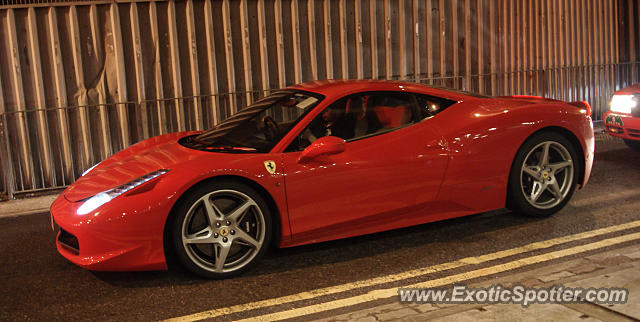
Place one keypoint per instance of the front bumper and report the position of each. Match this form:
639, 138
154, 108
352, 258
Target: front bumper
622, 126
123, 235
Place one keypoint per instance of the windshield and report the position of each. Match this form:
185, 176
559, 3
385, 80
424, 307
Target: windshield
260, 126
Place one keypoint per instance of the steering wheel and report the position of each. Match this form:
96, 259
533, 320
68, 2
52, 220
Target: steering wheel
271, 129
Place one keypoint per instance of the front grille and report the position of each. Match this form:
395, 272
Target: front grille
634, 133
68, 240
614, 129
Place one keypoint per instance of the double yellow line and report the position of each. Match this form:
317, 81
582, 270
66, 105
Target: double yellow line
390, 292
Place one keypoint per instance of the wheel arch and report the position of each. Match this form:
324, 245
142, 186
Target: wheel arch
568, 134
573, 139
275, 213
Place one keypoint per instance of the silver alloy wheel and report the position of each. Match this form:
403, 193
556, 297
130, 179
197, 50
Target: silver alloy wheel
223, 231
546, 175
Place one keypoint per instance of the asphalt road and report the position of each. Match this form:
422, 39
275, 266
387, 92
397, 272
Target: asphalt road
39, 284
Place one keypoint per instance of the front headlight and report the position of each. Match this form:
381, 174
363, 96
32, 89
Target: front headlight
622, 103
102, 198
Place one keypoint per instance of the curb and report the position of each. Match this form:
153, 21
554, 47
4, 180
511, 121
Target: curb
27, 206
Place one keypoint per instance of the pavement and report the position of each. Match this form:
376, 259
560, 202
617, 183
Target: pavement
617, 268
26, 206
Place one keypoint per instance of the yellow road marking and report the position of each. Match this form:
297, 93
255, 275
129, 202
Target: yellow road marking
391, 292
404, 275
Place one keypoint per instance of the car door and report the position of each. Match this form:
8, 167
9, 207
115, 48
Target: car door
385, 178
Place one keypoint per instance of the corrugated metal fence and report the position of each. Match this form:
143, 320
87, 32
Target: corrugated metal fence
80, 81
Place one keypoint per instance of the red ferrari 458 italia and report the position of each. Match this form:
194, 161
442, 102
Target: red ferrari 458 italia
623, 118
321, 161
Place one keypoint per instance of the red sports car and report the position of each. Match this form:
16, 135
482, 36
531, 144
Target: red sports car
623, 118
321, 161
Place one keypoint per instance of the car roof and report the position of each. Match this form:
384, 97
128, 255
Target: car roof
340, 87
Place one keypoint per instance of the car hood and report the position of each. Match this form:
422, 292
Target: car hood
161, 152
633, 89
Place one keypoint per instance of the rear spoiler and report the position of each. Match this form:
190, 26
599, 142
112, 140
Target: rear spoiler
584, 105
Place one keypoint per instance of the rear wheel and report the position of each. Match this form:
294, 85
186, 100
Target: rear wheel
221, 229
543, 175
633, 144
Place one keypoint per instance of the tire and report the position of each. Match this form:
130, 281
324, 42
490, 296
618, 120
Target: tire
633, 144
540, 187
221, 229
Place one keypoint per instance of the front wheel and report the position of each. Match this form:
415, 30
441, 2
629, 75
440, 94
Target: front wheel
543, 175
221, 229
635, 145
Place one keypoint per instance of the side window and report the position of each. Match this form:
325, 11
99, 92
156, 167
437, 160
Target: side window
360, 115
430, 105
389, 111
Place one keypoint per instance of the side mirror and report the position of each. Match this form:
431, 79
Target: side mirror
327, 145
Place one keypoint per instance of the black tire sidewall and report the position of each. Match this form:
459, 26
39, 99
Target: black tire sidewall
180, 211
516, 201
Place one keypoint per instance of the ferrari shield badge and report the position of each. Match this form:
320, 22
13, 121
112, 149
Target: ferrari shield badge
271, 166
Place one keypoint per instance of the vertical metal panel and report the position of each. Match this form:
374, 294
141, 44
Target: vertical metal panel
388, 59
480, 27
570, 27
264, 55
81, 97
441, 33
530, 49
493, 44
203, 59
632, 37
616, 41
373, 29
600, 54
295, 34
159, 111
328, 43
104, 137
344, 60
454, 43
560, 63
143, 124
402, 52
415, 27
467, 45
6, 160
123, 116
429, 37
60, 96
194, 65
24, 141
44, 144
280, 44
175, 65
359, 61
311, 21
